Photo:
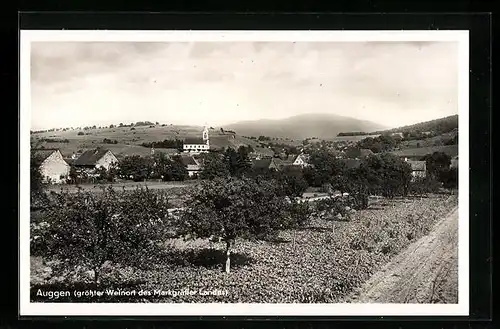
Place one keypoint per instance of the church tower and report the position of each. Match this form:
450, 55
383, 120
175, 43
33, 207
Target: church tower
205, 135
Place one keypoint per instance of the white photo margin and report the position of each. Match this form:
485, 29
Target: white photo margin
26, 308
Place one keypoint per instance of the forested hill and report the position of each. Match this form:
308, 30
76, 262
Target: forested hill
439, 126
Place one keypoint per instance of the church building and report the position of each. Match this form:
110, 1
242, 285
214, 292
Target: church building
197, 145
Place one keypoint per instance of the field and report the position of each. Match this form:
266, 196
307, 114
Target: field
352, 138
323, 262
451, 150
128, 141
153, 185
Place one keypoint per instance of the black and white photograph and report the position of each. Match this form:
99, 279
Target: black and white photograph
244, 173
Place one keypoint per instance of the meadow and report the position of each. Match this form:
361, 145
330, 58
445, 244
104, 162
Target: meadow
128, 140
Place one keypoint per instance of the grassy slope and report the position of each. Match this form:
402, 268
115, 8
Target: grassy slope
451, 150
129, 140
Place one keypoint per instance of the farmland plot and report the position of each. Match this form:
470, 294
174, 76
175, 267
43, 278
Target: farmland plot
316, 264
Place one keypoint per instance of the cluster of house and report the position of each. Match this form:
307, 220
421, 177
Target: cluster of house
269, 163
55, 168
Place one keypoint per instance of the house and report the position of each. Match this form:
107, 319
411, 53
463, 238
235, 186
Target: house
363, 153
418, 168
53, 167
94, 159
197, 145
193, 167
262, 165
284, 160
400, 134
454, 162
301, 160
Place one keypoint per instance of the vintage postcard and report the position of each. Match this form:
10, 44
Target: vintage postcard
244, 173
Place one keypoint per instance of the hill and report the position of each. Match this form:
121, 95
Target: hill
319, 125
439, 126
127, 141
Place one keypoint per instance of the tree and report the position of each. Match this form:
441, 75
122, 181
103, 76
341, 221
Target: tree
243, 161
237, 162
423, 185
436, 163
169, 169
386, 174
291, 182
382, 143
449, 178
136, 167
230, 208
107, 175
87, 229
36, 177
73, 177
176, 170
325, 165
359, 185
213, 166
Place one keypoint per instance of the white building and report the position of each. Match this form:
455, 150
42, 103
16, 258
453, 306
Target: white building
192, 166
301, 160
94, 159
53, 167
197, 145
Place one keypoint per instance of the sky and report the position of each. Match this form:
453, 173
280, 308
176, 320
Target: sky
217, 83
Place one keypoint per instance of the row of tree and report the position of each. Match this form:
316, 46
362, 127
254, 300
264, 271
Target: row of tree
167, 143
382, 143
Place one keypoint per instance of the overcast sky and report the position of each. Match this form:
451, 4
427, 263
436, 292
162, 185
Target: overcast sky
394, 84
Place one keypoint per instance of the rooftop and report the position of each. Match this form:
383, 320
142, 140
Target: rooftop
262, 163
90, 157
194, 140
189, 161
42, 154
417, 165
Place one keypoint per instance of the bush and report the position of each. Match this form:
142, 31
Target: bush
423, 185
449, 178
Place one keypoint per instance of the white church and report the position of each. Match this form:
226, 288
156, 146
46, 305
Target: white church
197, 145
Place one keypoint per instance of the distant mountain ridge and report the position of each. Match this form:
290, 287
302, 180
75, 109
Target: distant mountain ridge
320, 125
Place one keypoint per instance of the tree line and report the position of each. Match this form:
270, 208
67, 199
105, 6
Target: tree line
167, 143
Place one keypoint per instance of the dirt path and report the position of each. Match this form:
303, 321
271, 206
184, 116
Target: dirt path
426, 272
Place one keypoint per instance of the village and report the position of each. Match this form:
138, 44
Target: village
85, 166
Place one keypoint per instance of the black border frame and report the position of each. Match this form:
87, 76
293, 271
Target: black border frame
480, 30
